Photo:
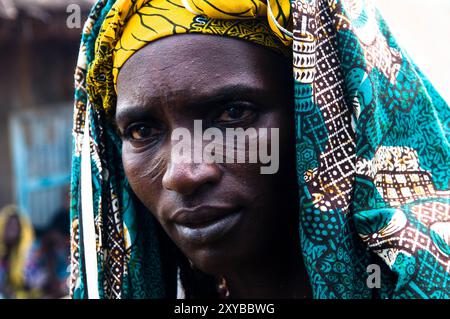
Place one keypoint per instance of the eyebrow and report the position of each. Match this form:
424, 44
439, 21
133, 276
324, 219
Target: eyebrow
225, 93
198, 101
132, 113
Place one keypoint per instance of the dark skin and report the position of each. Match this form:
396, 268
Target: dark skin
172, 82
12, 232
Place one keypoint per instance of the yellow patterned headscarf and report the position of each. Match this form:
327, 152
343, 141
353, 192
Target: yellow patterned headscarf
132, 24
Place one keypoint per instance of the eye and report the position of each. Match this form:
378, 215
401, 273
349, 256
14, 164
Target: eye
141, 132
235, 114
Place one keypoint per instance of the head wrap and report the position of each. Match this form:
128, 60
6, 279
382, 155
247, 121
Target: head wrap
372, 143
130, 25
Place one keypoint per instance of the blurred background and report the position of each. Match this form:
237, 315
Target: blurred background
39, 42
422, 27
38, 53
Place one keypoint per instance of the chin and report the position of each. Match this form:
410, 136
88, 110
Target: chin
215, 262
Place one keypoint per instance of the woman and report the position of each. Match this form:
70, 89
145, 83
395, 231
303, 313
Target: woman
16, 238
366, 182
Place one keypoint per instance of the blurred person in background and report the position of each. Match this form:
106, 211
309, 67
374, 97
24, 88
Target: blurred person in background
16, 238
47, 267
56, 249
48, 263
33, 267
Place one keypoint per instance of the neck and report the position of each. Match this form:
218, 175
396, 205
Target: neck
283, 275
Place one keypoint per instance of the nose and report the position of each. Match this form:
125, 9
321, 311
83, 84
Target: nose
186, 178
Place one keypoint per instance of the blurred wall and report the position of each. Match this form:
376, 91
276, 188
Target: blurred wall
37, 60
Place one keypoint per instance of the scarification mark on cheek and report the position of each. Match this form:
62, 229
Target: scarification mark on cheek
155, 170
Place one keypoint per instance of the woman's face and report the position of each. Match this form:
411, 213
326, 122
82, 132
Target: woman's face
12, 231
221, 215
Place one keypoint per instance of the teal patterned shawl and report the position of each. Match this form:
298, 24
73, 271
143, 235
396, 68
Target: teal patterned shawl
373, 163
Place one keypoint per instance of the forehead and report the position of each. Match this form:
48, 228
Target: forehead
183, 65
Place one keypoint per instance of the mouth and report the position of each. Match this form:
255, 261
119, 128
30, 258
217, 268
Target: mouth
205, 224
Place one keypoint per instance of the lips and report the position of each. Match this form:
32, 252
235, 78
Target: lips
204, 224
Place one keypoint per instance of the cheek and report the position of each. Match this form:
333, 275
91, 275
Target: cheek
144, 173
276, 131
284, 119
